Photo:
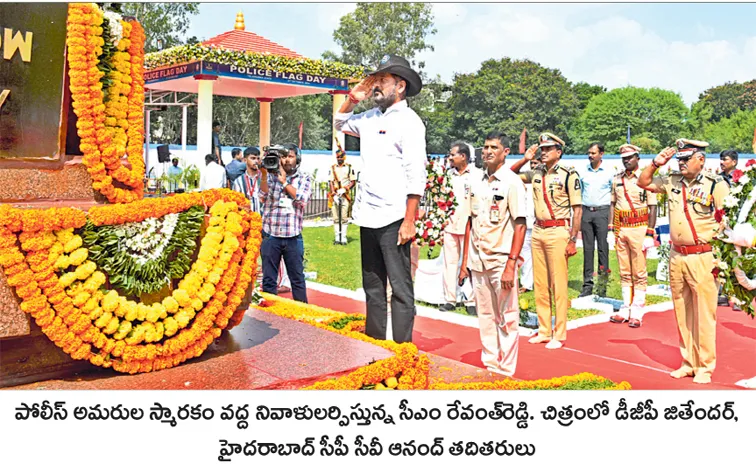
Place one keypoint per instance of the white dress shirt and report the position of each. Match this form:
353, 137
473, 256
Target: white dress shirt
392, 147
462, 187
212, 177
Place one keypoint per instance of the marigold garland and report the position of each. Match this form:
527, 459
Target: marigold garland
107, 329
107, 127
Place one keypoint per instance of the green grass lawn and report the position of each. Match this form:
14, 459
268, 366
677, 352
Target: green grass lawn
339, 265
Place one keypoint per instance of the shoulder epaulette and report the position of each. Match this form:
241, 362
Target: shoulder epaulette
714, 177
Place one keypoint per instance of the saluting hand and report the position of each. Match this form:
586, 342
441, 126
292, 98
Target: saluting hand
531, 152
363, 90
664, 156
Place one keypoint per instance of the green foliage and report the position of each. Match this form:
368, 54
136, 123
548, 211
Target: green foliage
165, 22
721, 102
195, 52
133, 276
342, 322
735, 132
509, 95
654, 114
376, 29
585, 92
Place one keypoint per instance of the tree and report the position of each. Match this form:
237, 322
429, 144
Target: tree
722, 102
654, 114
509, 95
735, 132
376, 29
164, 22
585, 92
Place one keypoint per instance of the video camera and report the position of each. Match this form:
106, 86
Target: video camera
272, 157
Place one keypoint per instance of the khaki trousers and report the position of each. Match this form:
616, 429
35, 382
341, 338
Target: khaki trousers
452, 250
694, 294
550, 275
631, 258
344, 211
499, 320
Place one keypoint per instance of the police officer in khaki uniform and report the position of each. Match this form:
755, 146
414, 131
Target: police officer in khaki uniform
634, 217
694, 196
341, 180
557, 193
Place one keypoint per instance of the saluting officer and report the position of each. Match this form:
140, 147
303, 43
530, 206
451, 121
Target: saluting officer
557, 193
634, 218
694, 196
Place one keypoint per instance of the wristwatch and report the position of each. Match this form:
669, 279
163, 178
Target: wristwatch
573, 239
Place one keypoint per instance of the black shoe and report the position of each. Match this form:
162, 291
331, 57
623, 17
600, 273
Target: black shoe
471, 310
447, 308
723, 301
585, 293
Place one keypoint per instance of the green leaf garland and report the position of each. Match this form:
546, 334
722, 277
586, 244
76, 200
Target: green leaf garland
133, 274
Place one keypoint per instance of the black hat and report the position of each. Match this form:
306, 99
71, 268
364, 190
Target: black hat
398, 66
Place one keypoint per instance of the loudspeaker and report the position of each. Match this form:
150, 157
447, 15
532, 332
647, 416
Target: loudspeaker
164, 154
479, 157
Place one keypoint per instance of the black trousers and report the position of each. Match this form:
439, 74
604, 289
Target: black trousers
594, 228
382, 259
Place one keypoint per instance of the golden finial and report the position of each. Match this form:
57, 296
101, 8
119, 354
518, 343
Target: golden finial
239, 25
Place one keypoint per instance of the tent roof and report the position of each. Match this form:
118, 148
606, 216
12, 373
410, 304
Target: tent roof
245, 41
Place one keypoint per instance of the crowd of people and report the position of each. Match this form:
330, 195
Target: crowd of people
514, 229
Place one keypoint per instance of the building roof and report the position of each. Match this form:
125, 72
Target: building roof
245, 41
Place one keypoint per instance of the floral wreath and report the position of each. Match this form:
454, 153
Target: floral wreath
735, 246
106, 71
439, 205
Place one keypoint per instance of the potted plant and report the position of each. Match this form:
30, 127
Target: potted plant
191, 177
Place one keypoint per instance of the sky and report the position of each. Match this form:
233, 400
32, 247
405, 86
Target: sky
683, 47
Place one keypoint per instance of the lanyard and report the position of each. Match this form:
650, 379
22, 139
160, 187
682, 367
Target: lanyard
627, 196
546, 197
687, 213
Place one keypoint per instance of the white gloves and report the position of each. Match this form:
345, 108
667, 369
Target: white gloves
743, 280
648, 243
742, 234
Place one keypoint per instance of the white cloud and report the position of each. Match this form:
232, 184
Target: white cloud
329, 15
610, 50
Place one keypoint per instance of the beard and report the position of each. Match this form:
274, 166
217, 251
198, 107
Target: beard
384, 101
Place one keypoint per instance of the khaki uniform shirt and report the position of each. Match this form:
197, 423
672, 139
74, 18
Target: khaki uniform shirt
343, 173
491, 240
563, 189
705, 194
640, 198
462, 187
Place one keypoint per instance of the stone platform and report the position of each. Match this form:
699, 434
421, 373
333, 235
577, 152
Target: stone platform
265, 351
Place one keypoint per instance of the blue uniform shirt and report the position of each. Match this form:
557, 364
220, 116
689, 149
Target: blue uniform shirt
597, 186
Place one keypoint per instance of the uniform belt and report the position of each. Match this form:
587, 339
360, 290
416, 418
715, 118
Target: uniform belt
691, 249
595, 209
552, 223
633, 221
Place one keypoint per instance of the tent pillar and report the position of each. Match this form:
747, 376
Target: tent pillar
204, 118
264, 121
339, 97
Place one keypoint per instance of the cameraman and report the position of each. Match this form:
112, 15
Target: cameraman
284, 195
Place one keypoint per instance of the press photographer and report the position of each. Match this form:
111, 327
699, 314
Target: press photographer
284, 192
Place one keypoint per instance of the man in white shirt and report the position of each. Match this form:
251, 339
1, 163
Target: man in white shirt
462, 176
392, 181
213, 176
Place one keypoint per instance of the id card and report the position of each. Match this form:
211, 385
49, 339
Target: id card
494, 214
286, 204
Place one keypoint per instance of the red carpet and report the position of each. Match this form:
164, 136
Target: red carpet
642, 356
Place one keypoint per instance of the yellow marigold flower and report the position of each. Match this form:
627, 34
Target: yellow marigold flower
79, 256
182, 297
153, 312
132, 311
204, 296
142, 310
62, 262
207, 254
214, 220
183, 318
197, 304
84, 270
159, 331
56, 249
170, 304
112, 326
136, 336
149, 331
214, 277
81, 298
171, 326
64, 235
67, 279
217, 229
90, 305
103, 320
123, 330
73, 244
111, 301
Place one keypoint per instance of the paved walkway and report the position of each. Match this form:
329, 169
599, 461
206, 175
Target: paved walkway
644, 356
